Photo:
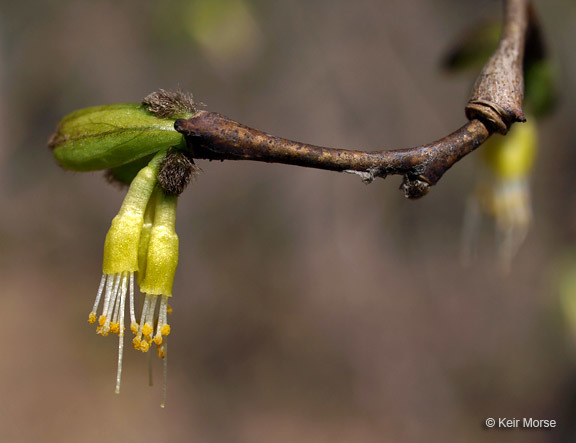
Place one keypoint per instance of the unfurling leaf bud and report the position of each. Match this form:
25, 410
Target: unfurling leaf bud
109, 136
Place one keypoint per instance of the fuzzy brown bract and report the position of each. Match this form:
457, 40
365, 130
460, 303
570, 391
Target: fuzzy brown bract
176, 172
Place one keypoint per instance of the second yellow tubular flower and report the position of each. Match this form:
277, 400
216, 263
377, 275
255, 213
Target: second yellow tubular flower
160, 267
504, 193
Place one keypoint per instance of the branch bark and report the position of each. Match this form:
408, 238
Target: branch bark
499, 90
495, 104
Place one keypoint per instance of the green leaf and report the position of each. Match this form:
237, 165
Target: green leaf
474, 49
541, 94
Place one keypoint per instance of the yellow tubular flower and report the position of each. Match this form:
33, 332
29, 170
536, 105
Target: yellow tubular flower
161, 246
145, 237
121, 258
162, 258
161, 263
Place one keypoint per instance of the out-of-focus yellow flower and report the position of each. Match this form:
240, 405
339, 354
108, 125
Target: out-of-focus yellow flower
503, 191
565, 271
226, 31
512, 156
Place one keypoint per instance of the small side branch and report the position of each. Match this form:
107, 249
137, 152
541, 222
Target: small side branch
495, 104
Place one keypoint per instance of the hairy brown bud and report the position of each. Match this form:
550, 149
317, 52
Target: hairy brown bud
167, 104
176, 171
414, 187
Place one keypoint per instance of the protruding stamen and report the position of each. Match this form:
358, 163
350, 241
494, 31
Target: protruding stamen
162, 328
165, 381
121, 333
133, 324
146, 327
148, 316
149, 321
108, 314
92, 316
138, 339
107, 295
150, 372
115, 324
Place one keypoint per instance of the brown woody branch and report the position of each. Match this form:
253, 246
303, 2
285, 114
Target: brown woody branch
497, 95
495, 104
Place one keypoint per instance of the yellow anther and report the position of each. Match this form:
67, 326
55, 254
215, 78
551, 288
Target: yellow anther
147, 330
134, 328
161, 352
165, 330
136, 343
92, 318
115, 327
102, 331
169, 309
102, 320
158, 339
144, 346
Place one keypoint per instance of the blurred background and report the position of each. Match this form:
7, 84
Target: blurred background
308, 306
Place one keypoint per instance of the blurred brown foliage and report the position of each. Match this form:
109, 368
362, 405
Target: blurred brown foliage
308, 306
